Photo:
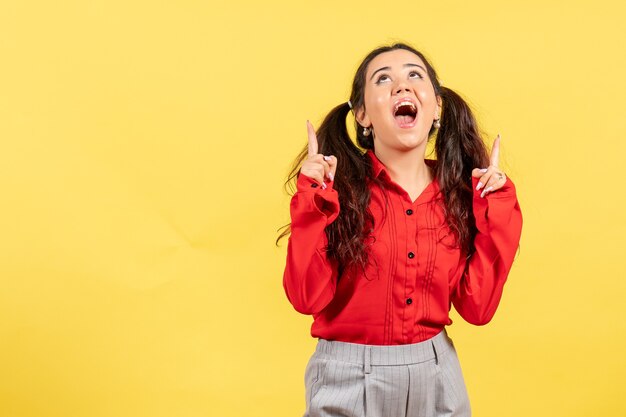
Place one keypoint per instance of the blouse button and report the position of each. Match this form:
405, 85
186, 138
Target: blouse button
411, 255
409, 301
409, 212
314, 185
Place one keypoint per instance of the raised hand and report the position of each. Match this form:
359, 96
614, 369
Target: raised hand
491, 177
318, 166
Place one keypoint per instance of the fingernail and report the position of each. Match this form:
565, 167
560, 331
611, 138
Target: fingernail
331, 176
323, 185
483, 170
480, 184
486, 191
326, 158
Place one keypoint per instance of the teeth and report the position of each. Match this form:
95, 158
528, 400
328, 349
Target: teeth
404, 103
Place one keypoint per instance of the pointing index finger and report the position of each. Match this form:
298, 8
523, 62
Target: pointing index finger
312, 139
495, 152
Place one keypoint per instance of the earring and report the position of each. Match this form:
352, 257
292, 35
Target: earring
366, 131
437, 123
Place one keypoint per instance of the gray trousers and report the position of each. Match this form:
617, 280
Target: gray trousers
357, 380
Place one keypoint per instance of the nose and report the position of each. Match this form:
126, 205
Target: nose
401, 86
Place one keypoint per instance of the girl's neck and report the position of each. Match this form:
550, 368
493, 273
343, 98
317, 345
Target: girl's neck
406, 168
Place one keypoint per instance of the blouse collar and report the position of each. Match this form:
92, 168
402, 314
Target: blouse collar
379, 167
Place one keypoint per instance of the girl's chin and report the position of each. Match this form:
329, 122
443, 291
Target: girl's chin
404, 141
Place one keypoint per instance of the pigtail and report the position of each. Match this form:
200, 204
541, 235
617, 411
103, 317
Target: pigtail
460, 149
344, 245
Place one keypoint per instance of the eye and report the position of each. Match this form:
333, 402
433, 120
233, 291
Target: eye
415, 73
378, 80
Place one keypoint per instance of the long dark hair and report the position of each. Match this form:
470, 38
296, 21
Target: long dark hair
458, 146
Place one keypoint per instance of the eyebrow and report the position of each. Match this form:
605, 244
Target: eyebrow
405, 65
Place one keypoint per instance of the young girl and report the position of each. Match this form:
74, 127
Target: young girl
383, 242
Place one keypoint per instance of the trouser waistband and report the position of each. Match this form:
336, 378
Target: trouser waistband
369, 355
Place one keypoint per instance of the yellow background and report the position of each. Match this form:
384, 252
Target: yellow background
143, 149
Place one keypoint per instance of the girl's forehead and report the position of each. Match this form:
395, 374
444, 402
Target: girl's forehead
395, 58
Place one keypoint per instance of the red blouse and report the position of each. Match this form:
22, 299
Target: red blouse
416, 271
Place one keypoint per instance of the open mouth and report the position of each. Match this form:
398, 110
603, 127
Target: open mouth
405, 113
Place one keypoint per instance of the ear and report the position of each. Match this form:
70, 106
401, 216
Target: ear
439, 105
361, 117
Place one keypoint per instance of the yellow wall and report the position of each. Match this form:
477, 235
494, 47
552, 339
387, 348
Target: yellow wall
143, 147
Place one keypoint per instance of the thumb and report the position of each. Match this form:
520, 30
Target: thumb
478, 172
332, 163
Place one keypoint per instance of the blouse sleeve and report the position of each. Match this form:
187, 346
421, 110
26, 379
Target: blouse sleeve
499, 223
310, 276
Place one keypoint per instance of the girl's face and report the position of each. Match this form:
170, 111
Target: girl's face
400, 103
